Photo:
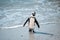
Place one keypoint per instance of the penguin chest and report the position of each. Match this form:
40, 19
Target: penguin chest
32, 22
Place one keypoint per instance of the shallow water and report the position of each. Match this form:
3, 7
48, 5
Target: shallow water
13, 14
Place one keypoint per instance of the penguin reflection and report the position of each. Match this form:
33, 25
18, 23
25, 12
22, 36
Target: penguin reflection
31, 36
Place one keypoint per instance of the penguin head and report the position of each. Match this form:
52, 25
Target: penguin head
34, 13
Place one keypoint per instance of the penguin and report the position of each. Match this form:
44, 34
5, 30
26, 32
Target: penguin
31, 22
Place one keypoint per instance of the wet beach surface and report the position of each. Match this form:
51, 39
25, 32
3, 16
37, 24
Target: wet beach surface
13, 14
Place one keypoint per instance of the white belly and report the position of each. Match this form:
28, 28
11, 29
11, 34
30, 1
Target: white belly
31, 24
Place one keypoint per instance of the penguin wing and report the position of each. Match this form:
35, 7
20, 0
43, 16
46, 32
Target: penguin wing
26, 22
37, 23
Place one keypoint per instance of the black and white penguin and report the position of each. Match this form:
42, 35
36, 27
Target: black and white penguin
31, 22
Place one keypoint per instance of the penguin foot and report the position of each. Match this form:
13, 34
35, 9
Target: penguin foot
33, 31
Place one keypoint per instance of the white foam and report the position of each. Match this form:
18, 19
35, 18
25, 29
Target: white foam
16, 26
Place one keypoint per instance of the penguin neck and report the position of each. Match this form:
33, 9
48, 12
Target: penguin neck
32, 16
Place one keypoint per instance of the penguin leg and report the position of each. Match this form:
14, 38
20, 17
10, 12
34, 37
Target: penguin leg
30, 30
33, 31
